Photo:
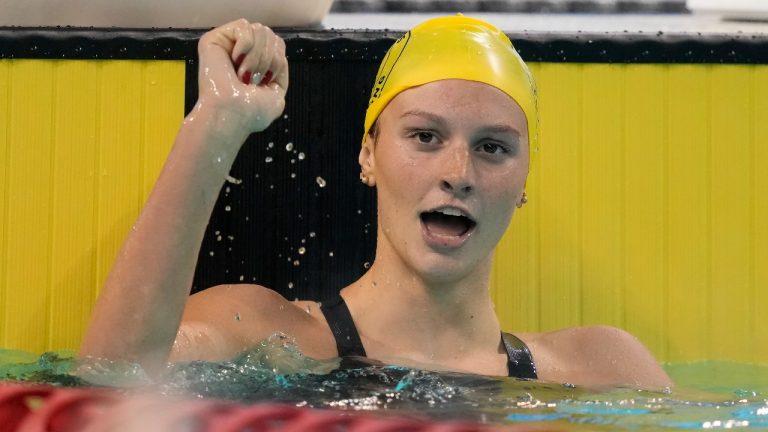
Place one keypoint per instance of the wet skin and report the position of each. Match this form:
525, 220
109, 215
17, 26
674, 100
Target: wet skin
447, 144
455, 147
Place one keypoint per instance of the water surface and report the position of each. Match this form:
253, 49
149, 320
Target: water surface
709, 395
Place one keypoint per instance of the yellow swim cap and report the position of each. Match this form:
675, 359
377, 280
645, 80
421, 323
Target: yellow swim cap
454, 47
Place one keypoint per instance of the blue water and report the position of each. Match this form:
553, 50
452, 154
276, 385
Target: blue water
711, 395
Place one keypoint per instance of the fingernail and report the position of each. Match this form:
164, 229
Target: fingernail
267, 78
239, 60
246, 77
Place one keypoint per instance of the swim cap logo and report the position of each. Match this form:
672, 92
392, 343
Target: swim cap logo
390, 60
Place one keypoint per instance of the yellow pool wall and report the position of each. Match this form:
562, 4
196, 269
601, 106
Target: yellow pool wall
647, 200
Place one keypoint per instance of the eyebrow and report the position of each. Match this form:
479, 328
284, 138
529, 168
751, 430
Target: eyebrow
500, 128
426, 115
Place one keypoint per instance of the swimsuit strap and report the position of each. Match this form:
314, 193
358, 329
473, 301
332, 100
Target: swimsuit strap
340, 321
519, 358
348, 344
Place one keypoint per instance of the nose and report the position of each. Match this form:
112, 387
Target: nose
458, 174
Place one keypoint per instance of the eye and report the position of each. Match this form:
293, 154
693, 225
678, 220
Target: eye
493, 148
424, 137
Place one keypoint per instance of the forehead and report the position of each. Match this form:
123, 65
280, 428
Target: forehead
459, 100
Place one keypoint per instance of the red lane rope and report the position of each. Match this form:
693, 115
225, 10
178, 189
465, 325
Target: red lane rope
35, 408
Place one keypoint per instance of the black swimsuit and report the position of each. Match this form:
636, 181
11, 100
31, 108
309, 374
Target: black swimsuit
348, 343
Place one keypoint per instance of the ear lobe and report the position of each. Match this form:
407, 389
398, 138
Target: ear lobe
367, 162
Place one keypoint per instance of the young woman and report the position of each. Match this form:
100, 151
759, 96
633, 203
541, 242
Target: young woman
448, 136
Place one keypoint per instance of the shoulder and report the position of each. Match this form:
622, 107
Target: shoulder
227, 319
595, 356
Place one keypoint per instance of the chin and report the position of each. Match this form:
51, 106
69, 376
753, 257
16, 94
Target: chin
442, 270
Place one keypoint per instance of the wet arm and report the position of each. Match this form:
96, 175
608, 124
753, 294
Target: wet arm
138, 312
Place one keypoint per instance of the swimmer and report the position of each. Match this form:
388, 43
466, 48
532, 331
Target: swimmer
449, 133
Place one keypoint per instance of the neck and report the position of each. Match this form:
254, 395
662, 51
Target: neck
404, 312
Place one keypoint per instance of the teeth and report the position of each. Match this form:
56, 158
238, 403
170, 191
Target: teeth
450, 212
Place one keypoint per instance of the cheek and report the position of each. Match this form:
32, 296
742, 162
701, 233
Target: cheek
399, 169
503, 189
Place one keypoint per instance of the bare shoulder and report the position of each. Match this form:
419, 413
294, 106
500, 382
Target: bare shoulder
224, 320
595, 356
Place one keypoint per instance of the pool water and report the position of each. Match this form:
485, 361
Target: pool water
709, 395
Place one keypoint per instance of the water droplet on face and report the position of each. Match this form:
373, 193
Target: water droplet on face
302, 250
237, 316
268, 159
289, 146
320, 181
301, 156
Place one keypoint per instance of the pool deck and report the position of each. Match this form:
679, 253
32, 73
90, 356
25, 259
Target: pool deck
697, 23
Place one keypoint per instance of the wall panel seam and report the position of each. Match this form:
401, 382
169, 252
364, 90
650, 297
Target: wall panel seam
665, 215
708, 240
8, 64
752, 231
142, 151
622, 315
580, 189
51, 199
96, 228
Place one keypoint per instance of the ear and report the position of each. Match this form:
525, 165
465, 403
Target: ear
522, 200
367, 161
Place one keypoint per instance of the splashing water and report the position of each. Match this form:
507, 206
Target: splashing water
276, 371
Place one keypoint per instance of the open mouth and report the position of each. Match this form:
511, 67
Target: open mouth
448, 222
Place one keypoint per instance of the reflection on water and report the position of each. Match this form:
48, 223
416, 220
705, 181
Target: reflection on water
709, 395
